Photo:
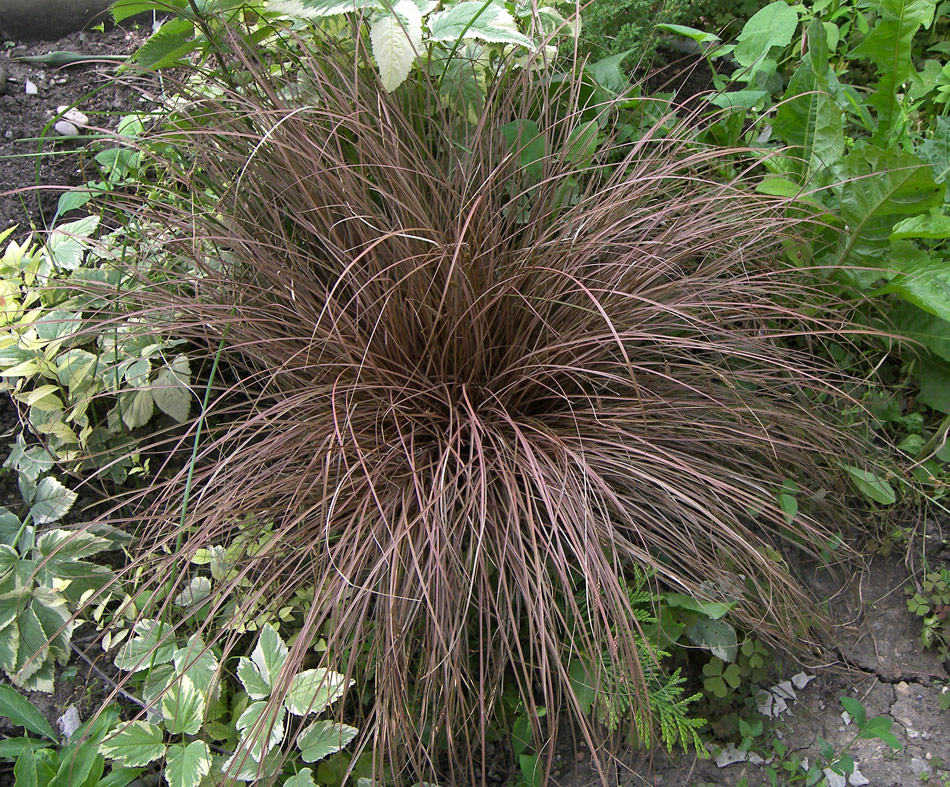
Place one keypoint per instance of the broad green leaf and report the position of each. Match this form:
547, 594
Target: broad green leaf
323, 738
716, 636
9, 528
581, 144
171, 391
75, 368
934, 225
270, 653
809, 117
32, 650
134, 744
123, 9
262, 728
699, 36
254, 684
397, 42
607, 72
936, 150
25, 770
152, 642
312, 690
317, 9
876, 188
22, 713
871, 486
183, 707
169, 45
920, 326
474, 20
303, 778
526, 141
119, 777
10, 631
461, 84
748, 98
11, 748
711, 609
769, 27
924, 283
935, 385
51, 502
187, 765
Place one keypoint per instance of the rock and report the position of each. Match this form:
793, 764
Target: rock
31, 89
66, 129
69, 722
73, 116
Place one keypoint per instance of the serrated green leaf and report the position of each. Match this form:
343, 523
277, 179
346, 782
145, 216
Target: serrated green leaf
396, 38
70, 544
197, 662
183, 707
32, 650
250, 676
262, 728
51, 502
134, 744
173, 41
67, 244
198, 589
269, 654
871, 486
934, 225
22, 713
924, 282
187, 765
323, 738
318, 9
171, 391
137, 408
303, 778
313, 690
153, 642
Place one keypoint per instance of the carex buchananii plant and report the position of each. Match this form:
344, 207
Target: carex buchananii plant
472, 378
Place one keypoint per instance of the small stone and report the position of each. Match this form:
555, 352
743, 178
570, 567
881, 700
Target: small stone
74, 116
846, 718
66, 129
834, 779
69, 722
802, 679
31, 89
858, 779
730, 755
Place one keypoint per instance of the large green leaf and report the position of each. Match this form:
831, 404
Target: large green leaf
318, 9
254, 684
269, 654
70, 544
808, 117
716, 636
527, 142
171, 392
769, 27
323, 738
152, 642
871, 486
936, 149
22, 713
173, 41
876, 189
262, 727
924, 283
935, 384
920, 326
134, 744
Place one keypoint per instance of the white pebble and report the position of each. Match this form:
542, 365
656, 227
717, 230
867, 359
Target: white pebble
802, 679
858, 779
31, 88
74, 116
69, 722
66, 129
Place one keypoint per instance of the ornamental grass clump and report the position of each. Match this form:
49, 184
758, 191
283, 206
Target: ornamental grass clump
465, 378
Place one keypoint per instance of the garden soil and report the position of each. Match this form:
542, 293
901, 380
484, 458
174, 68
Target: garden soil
877, 657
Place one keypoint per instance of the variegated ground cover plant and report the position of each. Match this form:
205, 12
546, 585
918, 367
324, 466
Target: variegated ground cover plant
466, 374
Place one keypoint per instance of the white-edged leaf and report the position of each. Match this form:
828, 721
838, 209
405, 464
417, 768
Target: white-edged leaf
51, 502
303, 778
312, 690
171, 391
254, 684
397, 41
136, 407
197, 662
67, 244
318, 9
480, 21
269, 654
153, 642
186, 766
134, 745
323, 738
70, 544
197, 591
183, 707
261, 727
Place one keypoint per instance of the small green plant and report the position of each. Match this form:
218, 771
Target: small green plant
932, 604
